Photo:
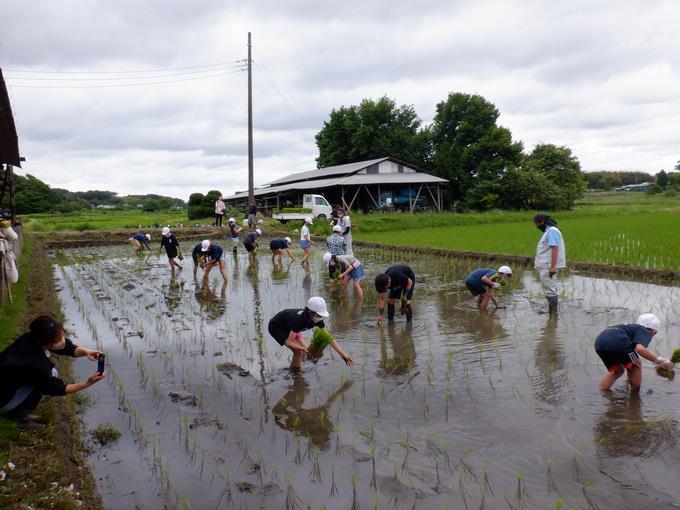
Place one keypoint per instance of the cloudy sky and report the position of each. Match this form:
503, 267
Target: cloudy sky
148, 96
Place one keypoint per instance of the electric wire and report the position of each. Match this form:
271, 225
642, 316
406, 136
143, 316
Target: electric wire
35, 71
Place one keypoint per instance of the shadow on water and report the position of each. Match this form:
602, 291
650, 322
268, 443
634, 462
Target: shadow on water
403, 350
312, 423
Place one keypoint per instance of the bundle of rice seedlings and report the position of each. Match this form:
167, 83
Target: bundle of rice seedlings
663, 372
675, 358
320, 340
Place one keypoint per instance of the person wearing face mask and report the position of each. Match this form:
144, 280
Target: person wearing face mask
286, 328
346, 228
26, 372
550, 257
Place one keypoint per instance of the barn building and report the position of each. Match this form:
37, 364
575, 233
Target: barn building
384, 183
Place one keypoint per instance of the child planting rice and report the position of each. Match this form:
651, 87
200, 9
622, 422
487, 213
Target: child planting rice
622, 345
482, 281
344, 268
277, 246
286, 328
396, 282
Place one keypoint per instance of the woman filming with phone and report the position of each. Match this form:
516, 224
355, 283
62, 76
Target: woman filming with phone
26, 372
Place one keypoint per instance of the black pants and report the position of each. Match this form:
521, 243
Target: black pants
218, 220
26, 407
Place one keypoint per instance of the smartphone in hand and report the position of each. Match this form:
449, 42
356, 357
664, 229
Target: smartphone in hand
101, 362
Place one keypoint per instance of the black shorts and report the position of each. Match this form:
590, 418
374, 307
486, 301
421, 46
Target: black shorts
279, 332
408, 294
614, 360
477, 290
249, 247
274, 247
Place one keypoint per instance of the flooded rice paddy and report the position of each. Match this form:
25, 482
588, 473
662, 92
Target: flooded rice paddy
456, 410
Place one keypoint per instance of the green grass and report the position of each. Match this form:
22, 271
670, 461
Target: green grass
106, 219
631, 229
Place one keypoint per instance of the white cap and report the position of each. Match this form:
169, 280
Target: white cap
650, 321
258, 231
318, 306
245, 222
205, 244
337, 228
287, 239
166, 231
327, 257
308, 219
232, 220
148, 236
505, 270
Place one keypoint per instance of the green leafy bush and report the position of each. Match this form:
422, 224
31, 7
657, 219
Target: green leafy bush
675, 358
296, 210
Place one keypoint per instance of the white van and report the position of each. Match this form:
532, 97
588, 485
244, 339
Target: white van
316, 206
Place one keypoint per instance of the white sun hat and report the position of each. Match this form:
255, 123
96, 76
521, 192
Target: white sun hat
258, 231
337, 228
287, 239
317, 305
166, 231
232, 220
148, 236
505, 270
308, 219
649, 320
205, 244
327, 257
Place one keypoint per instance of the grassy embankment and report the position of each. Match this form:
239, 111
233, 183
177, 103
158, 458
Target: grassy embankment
48, 457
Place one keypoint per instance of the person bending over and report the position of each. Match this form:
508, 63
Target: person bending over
396, 282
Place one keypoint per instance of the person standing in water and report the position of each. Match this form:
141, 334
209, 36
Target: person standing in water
252, 214
169, 242
277, 246
250, 242
306, 239
335, 242
346, 226
620, 347
234, 231
397, 282
481, 283
140, 241
347, 268
550, 257
212, 256
286, 328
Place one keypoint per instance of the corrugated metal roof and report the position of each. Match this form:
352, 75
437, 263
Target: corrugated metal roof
328, 171
9, 142
351, 180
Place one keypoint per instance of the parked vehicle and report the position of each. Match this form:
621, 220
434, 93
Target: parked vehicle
315, 206
400, 199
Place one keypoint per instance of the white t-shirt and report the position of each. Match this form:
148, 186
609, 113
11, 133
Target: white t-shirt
304, 233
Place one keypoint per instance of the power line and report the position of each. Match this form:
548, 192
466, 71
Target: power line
305, 124
113, 78
36, 71
119, 85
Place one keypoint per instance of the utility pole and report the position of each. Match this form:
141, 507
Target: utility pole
251, 198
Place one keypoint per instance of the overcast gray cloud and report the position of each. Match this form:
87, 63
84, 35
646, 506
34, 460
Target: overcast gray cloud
599, 77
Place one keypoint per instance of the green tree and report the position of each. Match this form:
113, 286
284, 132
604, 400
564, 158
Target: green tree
662, 179
33, 195
560, 166
373, 129
468, 147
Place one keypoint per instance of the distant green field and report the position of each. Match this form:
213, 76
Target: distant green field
101, 219
629, 229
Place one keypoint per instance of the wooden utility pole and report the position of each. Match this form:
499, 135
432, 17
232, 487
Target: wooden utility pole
251, 198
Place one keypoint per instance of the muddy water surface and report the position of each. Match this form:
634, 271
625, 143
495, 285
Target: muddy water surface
456, 410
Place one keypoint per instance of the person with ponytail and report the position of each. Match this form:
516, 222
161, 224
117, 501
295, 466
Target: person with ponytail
550, 257
26, 372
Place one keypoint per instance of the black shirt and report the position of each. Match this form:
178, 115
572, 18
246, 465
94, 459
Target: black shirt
278, 244
252, 209
399, 277
250, 238
291, 319
24, 363
196, 253
170, 244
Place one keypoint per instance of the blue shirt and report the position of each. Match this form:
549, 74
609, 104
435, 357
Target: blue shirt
214, 252
554, 237
475, 277
623, 338
141, 238
336, 245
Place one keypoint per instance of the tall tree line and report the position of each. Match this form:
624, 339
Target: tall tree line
485, 167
